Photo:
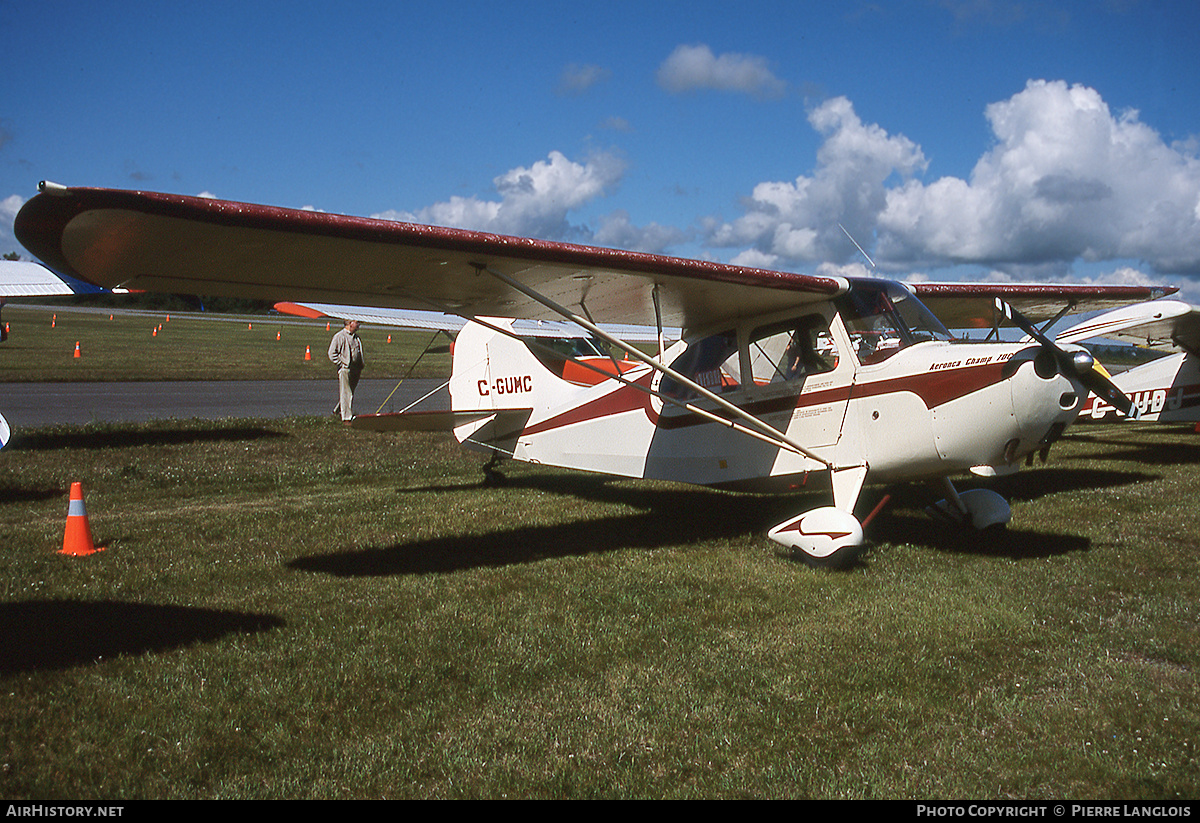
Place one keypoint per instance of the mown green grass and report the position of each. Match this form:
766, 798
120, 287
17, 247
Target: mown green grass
193, 346
286, 609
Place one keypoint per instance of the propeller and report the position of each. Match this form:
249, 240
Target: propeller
1080, 364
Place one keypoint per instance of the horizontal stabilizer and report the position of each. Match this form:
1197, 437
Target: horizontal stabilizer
431, 420
418, 421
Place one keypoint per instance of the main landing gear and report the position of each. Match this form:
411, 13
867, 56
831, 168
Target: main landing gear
832, 538
827, 537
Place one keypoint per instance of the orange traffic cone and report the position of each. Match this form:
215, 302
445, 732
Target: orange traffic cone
276, 335
77, 539
77, 354
307, 353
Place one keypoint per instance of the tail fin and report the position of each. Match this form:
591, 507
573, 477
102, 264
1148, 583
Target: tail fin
495, 372
1166, 390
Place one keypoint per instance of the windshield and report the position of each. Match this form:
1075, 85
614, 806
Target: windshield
883, 317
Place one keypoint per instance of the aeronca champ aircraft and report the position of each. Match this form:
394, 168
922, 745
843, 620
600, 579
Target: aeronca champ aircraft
775, 375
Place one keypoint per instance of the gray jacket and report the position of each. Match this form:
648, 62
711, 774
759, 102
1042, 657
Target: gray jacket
345, 351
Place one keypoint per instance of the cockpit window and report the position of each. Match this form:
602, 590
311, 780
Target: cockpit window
792, 349
711, 362
882, 318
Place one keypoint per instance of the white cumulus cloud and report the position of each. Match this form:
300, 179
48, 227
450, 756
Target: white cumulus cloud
797, 221
1067, 179
533, 201
577, 78
616, 230
690, 68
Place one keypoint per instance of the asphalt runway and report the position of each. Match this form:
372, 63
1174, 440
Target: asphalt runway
39, 404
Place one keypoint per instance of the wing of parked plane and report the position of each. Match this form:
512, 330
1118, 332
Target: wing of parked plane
973, 305
1161, 324
134, 240
440, 321
21, 278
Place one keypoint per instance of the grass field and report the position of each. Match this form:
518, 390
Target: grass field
286, 609
192, 346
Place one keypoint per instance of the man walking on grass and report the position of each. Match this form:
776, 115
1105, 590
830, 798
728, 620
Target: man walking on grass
345, 351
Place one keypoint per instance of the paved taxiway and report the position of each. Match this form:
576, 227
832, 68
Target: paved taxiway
40, 404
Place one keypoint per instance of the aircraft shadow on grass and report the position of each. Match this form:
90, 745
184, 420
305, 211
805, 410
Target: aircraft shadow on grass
23, 494
655, 524
679, 516
42, 635
131, 437
904, 520
1152, 449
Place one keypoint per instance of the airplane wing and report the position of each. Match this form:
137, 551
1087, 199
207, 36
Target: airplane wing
1158, 325
19, 278
972, 305
416, 319
193, 245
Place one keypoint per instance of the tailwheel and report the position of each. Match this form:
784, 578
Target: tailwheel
827, 537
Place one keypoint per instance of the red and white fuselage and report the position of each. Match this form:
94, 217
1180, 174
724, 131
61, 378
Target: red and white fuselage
928, 409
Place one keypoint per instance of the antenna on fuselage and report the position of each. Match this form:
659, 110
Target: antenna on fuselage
860, 248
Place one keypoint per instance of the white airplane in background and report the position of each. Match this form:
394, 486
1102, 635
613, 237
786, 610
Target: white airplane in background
777, 375
20, 278
1164, 390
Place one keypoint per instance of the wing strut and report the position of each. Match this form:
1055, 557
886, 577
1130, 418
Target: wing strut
658, 323
1063, 313
680, 404
776, 440
775, 436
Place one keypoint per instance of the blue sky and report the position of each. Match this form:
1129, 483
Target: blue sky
956, 139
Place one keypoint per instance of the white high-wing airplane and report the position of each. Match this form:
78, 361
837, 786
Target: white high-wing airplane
21, 278
777, 375
1167, 389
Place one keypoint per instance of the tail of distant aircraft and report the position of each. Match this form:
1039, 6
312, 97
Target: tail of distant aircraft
1166, 390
